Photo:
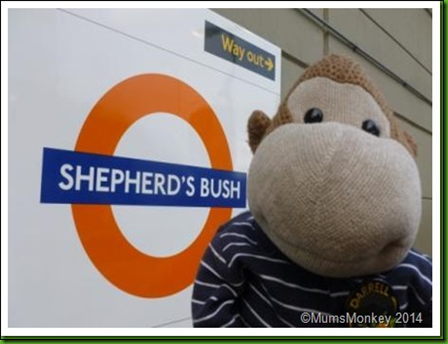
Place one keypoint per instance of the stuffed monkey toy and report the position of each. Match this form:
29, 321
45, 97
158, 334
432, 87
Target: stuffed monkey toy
335, 204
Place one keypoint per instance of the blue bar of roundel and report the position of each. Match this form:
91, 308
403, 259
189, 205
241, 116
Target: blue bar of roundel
54, 159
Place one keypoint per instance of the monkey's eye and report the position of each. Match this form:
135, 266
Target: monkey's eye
371, 127
313, 115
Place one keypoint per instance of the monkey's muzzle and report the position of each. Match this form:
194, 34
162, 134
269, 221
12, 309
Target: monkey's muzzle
336, 200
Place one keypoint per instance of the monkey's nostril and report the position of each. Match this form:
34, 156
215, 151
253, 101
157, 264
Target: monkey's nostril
391, 247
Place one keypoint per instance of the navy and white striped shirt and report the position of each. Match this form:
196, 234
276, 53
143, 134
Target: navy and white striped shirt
245, 281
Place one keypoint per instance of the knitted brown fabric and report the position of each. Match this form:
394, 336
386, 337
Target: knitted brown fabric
343, 69
256, 128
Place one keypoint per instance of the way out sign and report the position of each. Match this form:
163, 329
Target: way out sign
232, 48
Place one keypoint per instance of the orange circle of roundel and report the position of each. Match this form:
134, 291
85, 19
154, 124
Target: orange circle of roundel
124, 266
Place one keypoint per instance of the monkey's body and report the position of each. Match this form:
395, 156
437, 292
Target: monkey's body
246, 281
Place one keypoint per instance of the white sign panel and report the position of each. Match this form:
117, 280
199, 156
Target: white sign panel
127, 149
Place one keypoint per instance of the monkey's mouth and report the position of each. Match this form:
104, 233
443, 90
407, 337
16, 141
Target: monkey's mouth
330, 263
328, 255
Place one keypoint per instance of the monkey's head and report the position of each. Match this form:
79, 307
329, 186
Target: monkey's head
333, 181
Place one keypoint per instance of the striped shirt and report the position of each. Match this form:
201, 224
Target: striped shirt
245, 281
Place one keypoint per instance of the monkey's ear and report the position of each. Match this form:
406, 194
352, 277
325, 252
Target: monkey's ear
410, 143
256, 128
402, 136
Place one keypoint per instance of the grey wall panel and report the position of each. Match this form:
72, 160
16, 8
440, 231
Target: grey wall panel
412, 28
290, 74
425, 234
359, 29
